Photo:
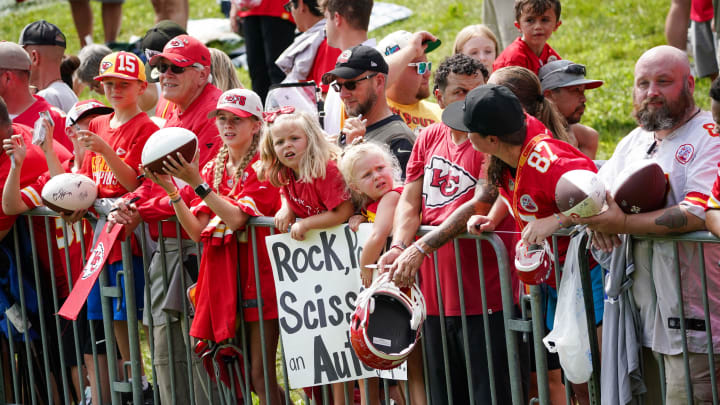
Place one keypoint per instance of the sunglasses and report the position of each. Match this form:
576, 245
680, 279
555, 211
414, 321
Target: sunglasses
163, 67
422, 67
289, 6
349, 84
573, 69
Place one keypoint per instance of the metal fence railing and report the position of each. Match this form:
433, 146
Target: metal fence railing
36, 369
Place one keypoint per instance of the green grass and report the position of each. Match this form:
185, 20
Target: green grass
607, 36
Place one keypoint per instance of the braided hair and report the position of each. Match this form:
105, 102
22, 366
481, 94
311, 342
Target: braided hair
223, 155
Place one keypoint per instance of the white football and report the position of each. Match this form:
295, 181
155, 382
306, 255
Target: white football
168, 141
580, 193
69, 192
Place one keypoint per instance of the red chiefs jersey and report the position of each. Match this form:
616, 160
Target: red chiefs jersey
31, 196
530, 192
370, 211
126, 140
317, 196
217, 289
324, 62
195, 119
29, 116
518, 53
449, 174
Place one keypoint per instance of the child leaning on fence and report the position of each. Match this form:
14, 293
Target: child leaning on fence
372, 174
228, 194
297, 157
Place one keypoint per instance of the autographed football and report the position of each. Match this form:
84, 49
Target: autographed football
168, 142
640, 187
69, 192
580, 193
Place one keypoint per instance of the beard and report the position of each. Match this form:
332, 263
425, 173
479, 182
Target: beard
363, 107
666, 117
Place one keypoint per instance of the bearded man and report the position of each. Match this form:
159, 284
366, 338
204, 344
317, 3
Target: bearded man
680, 137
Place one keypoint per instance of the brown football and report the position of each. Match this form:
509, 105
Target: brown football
168, 142
640, 187
580, 193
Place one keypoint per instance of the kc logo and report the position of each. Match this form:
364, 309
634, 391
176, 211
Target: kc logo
105, 66
445, 181
235, 99
96, 260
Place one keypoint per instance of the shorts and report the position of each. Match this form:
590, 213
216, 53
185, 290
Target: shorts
67, 336
702, 43
598, 289
699, 374
94, 305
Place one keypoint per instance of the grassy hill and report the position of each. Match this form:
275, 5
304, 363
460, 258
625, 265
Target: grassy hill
608, 36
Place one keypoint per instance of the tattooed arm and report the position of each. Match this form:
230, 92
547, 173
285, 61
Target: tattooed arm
407, 264
675, 219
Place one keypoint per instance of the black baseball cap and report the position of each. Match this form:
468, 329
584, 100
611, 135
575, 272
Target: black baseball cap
489, 109
42, 33
160, 34
354, 61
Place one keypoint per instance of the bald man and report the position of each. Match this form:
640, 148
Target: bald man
678, 135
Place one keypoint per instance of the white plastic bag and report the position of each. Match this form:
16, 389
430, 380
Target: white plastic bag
569, 337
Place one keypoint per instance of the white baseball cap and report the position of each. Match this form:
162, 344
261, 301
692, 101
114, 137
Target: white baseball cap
82, 109
241, 102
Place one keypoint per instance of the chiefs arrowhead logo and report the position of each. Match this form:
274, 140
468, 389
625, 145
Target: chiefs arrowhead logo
95, 261
527, 203
105, 66
176, 43
445, 181
344, 57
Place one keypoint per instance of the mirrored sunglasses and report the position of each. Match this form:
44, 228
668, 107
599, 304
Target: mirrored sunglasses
422, 67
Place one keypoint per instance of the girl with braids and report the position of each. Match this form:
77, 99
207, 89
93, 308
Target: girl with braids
228, 194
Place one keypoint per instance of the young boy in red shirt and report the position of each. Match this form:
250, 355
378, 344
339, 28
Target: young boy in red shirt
536, 20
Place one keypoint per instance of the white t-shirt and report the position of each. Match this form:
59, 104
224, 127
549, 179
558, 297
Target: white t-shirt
689, 159
59, 94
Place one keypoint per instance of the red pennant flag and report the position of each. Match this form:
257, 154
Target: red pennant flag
74, 302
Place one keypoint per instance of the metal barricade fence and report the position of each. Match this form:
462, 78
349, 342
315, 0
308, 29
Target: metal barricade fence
41, 375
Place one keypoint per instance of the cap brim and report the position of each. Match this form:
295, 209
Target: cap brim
93, 111
589, 84
175, 58
118, 76
432, 45
341, 72
452, 116
236, 111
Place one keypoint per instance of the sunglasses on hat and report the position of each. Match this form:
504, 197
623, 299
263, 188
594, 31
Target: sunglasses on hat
573, 69
422, 67
349, 84
289, 5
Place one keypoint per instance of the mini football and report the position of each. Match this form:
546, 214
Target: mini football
580, 193
168, 142
640, 187
69, 192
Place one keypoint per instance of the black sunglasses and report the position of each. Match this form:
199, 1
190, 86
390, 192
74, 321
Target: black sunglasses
349, 84
573, 69
289, 5
163, 67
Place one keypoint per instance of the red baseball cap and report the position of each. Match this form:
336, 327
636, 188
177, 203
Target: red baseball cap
183, 51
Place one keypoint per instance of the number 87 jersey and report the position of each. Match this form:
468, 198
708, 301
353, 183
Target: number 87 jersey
530, 191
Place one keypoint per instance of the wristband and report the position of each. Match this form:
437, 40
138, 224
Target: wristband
173, 194
558, 219
176, 200
420, 249
398, 245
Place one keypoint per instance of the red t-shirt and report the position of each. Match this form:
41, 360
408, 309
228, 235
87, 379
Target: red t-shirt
29, 116
31, 196
195, 119
317, 196
154, 206
216, 291
272, 8
701, 10
518, 53
325, 59
370, 211
34, 166
127, 141
531, 191
164, 107
449, 174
